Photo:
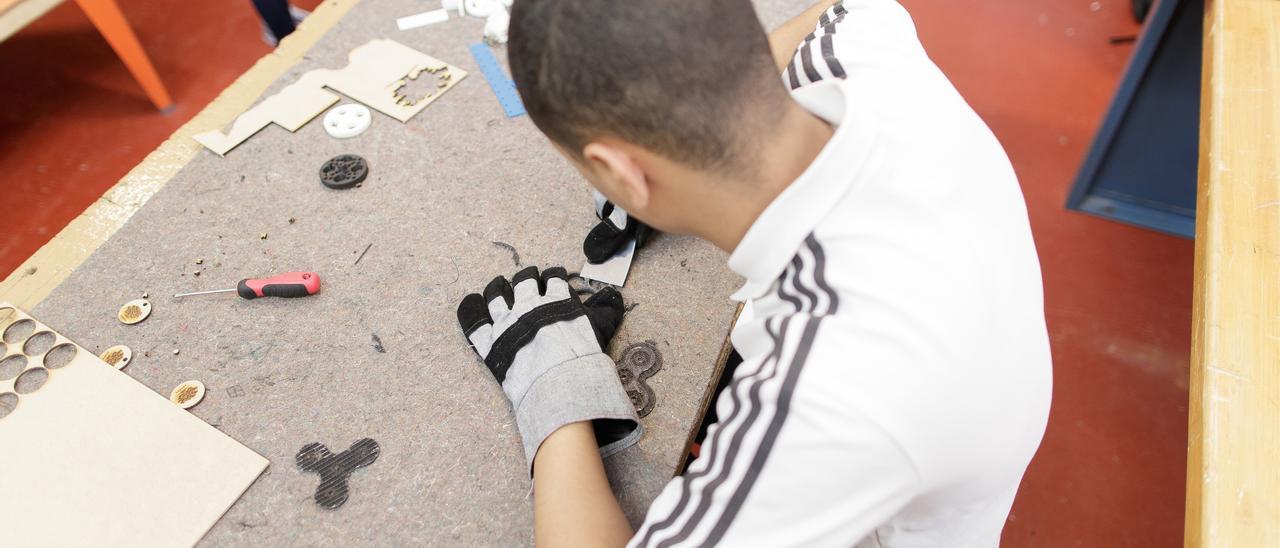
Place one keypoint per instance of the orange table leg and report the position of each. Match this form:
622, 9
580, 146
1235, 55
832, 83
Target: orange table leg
106, 15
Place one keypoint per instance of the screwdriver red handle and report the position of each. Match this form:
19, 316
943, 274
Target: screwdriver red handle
288, 285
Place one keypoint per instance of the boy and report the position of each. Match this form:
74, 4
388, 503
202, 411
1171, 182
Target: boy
896, 374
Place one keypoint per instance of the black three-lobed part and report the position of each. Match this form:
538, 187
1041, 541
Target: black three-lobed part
335, 470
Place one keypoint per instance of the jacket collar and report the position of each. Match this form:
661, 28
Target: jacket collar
777, 234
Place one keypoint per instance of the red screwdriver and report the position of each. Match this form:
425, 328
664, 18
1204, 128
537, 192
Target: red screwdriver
287, 285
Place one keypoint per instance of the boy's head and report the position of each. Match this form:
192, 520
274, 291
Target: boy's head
648, 97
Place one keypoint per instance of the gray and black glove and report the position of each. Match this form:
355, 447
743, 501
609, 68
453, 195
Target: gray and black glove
616, 228
546, 348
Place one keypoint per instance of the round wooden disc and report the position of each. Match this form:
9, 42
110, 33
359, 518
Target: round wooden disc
187, 394
134, 311
117, 356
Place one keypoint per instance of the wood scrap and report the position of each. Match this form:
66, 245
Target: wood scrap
374, 75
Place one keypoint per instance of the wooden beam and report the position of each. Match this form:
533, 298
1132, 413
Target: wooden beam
1233, 475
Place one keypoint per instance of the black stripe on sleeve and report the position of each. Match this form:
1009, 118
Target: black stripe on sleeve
686, 486
798, 361
770, 435
735, 445
778, 333
791, 74
819, 275
800, 286
829, 55
806, 60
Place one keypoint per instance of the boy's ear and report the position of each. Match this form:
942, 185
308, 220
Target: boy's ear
621, 172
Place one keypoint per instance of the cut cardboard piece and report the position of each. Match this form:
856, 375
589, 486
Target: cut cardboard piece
374, 75
613, 271
94, 458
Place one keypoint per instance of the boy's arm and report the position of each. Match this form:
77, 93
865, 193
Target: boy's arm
544, 346
572, 504
784, 39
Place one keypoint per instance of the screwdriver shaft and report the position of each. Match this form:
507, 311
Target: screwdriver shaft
232, 290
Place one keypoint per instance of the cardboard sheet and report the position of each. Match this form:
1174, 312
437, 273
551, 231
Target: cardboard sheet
613, 271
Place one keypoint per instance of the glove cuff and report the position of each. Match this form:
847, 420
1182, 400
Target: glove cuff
582, 389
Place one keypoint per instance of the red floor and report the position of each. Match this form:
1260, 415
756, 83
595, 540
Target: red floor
1041, 72
1118, 299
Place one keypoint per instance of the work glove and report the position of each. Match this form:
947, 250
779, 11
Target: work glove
546, 348
616, 228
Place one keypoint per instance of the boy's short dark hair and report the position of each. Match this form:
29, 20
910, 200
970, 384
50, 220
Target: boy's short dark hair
693, 80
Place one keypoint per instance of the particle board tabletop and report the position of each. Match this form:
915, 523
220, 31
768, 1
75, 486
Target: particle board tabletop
377, 353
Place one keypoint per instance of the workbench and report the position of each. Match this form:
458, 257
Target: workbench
377, 353
1234, 412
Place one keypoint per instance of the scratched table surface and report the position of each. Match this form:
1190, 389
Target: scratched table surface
455, 196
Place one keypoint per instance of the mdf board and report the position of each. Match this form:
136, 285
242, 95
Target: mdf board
377, 353
90, 457
1233, 482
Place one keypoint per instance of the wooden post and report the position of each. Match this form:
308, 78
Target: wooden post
1233, 464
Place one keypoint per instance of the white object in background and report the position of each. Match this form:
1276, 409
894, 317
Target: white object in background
613, 271
495, 27
347, 120
475, 8
422, 19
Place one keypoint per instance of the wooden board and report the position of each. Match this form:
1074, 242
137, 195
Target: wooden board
92, 457
1233, 481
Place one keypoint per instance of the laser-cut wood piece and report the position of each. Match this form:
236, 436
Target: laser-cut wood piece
91, 441
374, 75
134, 311
117, 356
187, 394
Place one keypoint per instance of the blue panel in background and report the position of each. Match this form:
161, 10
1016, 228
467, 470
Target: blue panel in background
502, 86
1142, 166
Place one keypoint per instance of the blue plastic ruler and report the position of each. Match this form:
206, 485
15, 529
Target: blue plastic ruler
502, 86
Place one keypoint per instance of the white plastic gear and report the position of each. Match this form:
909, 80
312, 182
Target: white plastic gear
349, 120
